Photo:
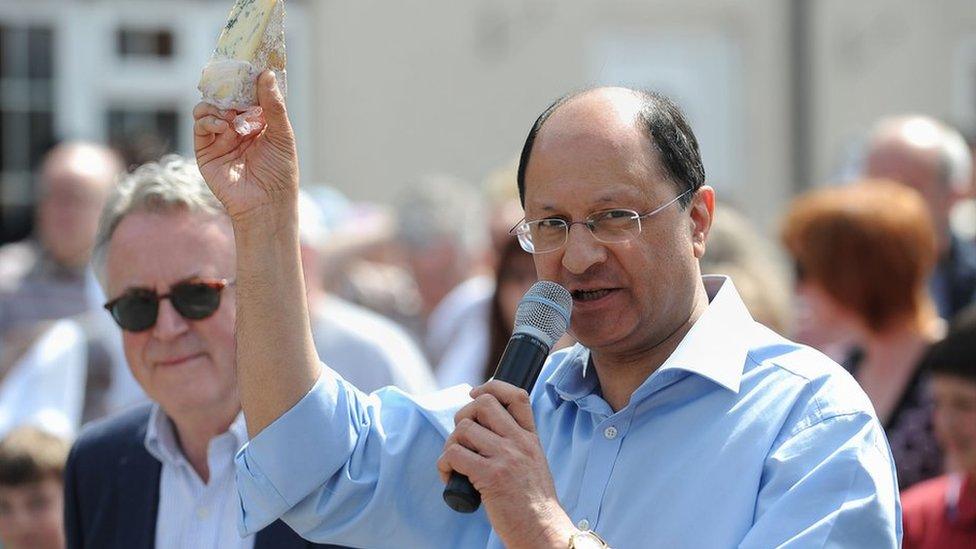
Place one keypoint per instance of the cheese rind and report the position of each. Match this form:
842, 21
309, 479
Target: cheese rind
252, 40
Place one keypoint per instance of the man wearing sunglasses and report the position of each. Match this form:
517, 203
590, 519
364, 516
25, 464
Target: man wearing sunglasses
676, 422
162, 474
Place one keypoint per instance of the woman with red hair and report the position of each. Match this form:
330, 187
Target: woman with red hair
863, 256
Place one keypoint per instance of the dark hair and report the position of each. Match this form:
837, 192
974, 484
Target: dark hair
28, 455
956, 354
665, 126
500, 327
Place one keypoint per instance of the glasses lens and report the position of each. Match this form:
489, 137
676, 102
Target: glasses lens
195, 300
136, 311
546, 235
615, 225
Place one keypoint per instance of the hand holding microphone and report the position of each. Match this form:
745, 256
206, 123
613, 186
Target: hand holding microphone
494, 442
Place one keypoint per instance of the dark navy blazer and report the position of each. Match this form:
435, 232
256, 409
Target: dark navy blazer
111, 488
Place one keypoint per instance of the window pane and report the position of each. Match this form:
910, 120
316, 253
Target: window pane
13, 52
4, 50
144, 43
41, 137
15, 222
39, 51
15, 128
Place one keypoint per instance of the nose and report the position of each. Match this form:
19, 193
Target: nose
169, 323
582, 250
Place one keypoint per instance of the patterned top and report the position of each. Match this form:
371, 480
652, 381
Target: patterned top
909, 429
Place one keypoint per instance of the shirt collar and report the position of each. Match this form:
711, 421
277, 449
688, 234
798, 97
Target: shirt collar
714, 348
161, 441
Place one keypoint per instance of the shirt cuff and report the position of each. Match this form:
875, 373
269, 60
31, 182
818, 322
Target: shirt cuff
272, 475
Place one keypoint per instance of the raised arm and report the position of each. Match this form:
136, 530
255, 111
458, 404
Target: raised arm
256, 179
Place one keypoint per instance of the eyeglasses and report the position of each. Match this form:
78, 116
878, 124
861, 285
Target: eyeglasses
137, 309
608, 226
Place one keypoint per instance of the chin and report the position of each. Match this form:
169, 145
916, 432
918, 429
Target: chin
190, 400
599, 339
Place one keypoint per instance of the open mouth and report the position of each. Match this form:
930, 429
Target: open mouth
590, 295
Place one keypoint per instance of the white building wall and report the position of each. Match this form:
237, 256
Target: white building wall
880, 57
454, 86
382, 92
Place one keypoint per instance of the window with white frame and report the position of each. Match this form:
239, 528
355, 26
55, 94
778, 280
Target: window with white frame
26, 119
121, 72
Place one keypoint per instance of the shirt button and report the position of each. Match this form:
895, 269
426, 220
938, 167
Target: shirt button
583, 524
610, 432
203, 513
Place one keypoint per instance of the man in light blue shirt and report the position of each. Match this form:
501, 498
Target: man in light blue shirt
677, 422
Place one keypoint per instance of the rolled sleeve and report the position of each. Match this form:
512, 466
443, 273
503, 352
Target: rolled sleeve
271, 477
345, 467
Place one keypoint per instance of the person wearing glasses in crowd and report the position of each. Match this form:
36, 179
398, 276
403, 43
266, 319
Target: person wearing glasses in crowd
677, 421
162, 474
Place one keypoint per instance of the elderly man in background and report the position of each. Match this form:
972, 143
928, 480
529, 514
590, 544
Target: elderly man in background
935, 160
162, 474
445, 238
44, 277
367, 349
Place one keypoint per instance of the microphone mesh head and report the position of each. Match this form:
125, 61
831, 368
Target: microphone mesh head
545, 309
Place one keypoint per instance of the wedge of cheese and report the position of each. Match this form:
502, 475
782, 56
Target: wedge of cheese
252, 40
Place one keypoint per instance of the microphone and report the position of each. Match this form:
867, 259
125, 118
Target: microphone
540, 320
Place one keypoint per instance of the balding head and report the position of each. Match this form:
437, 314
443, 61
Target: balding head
646, 120
75, 180
601, 176
924, 154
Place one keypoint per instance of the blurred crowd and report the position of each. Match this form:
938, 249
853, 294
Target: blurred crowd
878, 272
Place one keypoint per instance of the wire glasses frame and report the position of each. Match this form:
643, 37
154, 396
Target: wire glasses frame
614, 226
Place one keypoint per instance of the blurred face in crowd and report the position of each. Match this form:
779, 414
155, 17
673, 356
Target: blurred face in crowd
75, 182
819, 319
437, 269
955, 420
30, 515
910, 157
588, 157
187, 366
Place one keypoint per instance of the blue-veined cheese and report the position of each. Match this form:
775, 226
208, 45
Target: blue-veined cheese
243, 34
252, 40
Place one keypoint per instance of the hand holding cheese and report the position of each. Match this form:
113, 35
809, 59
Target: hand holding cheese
255, 176
252, 41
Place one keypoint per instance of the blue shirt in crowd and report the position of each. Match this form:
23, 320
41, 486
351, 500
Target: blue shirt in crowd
740, 439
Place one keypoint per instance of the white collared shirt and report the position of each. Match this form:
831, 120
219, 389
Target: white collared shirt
193, 513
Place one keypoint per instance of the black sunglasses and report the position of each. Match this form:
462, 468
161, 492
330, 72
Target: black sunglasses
136, 310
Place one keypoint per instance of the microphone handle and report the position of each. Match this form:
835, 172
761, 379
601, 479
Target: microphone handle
520, 365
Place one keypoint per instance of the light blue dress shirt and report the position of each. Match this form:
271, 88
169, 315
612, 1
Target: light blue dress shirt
740, 439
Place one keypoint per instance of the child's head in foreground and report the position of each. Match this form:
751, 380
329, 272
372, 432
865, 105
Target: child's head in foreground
31, 489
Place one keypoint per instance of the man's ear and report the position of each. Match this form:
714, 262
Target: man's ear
701, 212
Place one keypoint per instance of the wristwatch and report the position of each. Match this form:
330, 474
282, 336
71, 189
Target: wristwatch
587, 540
